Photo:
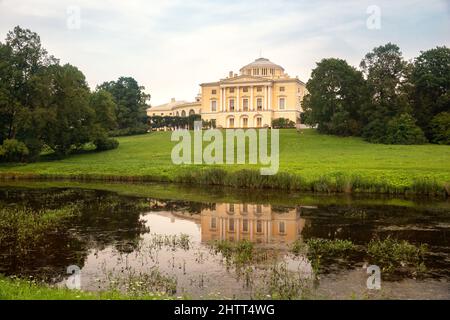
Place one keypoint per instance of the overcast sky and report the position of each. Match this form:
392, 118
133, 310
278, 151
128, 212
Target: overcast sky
170, 47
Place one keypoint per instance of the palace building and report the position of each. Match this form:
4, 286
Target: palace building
260, 93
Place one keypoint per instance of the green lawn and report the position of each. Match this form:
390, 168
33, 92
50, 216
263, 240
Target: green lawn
17, 289
307, 154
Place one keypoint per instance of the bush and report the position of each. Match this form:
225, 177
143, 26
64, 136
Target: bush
440, 128
103, 144
403, 130
282, 123
13, 150
129, 131
342, 124
375, 131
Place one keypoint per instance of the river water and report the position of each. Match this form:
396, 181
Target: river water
160, 238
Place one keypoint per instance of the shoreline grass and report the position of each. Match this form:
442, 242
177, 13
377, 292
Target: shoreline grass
20, 289
309, 162
251, 179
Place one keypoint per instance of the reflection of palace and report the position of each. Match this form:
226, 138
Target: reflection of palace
254, 222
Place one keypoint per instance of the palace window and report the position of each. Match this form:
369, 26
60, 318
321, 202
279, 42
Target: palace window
245, 104
281, 89
281, 103
259, 104
231, 206
214, 91
259, 122
272, 71
231, 90
258, 208
231, 106
259, 226
245, 89
183, 113
245, 225
281, 227
245, 208
231, 224
231, 125
258, 89
245, 122
213, 223
213, 105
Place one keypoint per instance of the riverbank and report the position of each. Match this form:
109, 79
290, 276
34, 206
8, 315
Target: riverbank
19, 289
308, 162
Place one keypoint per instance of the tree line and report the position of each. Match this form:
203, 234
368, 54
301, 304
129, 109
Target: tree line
387, 100
46, 106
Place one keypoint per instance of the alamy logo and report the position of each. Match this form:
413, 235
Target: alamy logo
374, 280
191, 150
73, 282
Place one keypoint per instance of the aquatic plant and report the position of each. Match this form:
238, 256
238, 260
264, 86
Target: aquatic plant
391, 254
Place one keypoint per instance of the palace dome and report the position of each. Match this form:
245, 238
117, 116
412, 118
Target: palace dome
261, 64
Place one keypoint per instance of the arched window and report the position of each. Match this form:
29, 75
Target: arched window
191, 112
178, 114
183, 113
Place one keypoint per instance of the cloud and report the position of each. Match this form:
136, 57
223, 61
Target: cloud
172, 46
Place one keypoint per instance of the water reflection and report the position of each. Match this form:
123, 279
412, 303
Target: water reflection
114, 234
259, 223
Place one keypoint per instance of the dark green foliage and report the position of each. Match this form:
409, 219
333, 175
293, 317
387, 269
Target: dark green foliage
13, 151
385, 70
70, 118
130, 100
440, 128
46, 105
103, 144
385, 106
337, 92
129, 131
431, 86
282, 123
403, 130
158, 122
105, 109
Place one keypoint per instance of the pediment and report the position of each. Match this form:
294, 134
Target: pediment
245, 78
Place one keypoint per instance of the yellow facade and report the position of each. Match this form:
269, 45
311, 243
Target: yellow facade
260, 93
253, 222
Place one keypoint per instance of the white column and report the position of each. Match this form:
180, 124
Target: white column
221, 100
270, 98
237, 100
265, 98
251, 98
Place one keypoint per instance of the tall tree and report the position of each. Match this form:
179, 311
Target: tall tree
337, 92
105, 109
385, 71
431, 91
130, 99
23, 64
70, 117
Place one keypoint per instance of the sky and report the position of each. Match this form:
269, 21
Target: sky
172, 46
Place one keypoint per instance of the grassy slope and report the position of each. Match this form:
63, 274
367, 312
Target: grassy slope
307, 154
16, 289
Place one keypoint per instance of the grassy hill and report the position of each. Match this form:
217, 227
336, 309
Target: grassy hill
308, 161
